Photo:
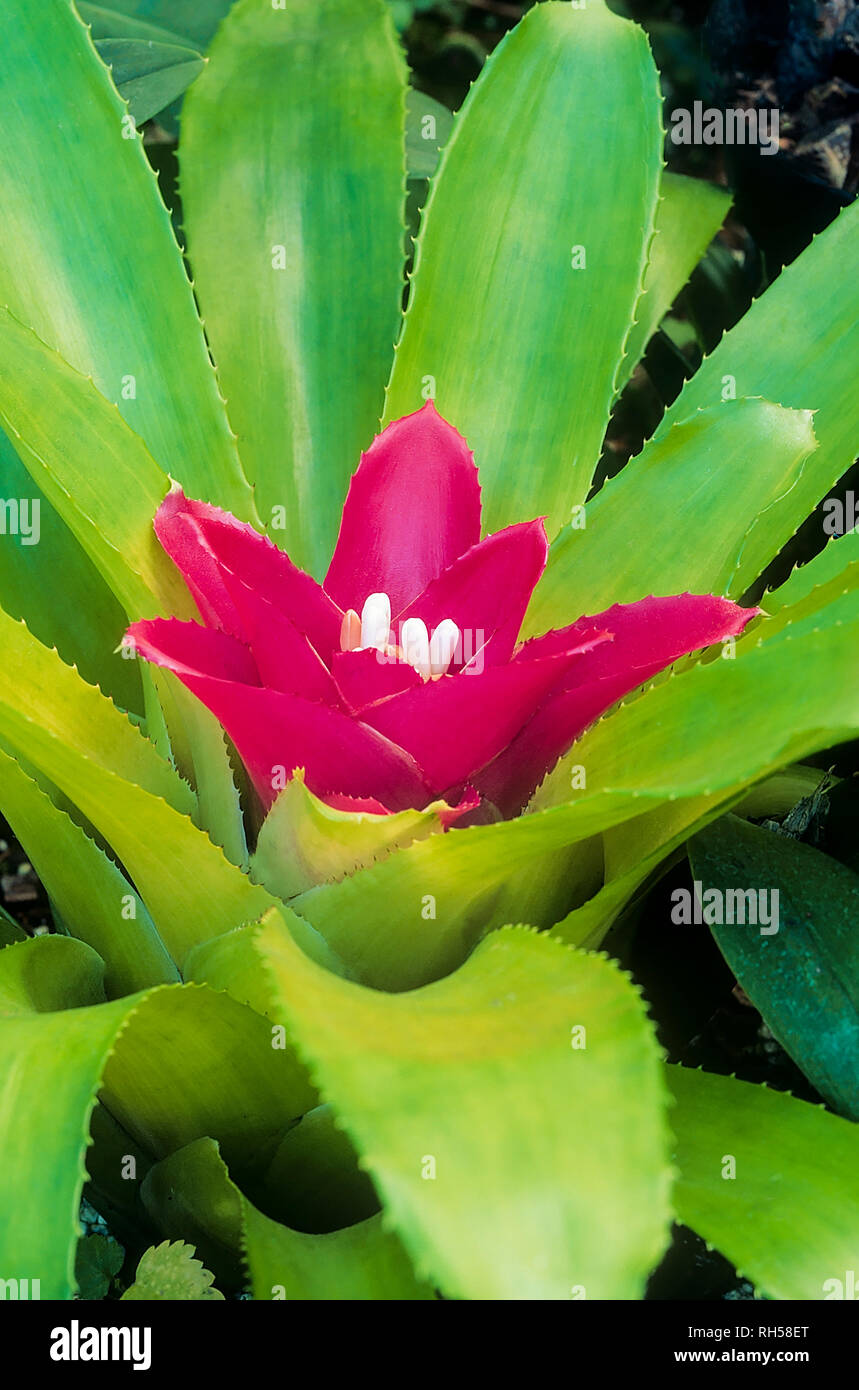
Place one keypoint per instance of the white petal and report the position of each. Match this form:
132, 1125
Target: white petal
414, 640
376, 621
445, 641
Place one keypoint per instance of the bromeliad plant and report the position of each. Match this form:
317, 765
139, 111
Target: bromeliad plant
284, 1004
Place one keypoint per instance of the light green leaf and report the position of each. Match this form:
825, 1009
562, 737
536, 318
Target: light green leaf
46, 973
202, 756
304, 842
80, 617
192, 1191
10, 932
689, 214
800, 967
634, 851
149, 75
54, 717
789, 1219
168, 1272
361, 1263
134, 328
105, 485
96, 472
51, 1065
512, 1164
798, 345
416, 915
131, 795
694, 482
839, 560
500, 327
175, 1064
95, 901
292, 186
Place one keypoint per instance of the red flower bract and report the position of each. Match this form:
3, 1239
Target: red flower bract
398, 680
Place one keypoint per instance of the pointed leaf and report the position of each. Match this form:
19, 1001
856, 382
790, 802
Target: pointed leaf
193, 20
806, 305
788, 1220
801, 968
149, 75
689, 214
523, 233
95, 901
80, 617
136, 329
96, 472
737, 507
168, 1272
192, 1190
176, 1064
470, 1100
302, 303
304, 842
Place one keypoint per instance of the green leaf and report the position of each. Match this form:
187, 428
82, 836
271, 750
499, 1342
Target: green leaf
836, 562
361, 1263
168, 1272
803, 600
743, 512
192, 1190
202, 756
113, 23
10, 932
45, 973
96, 472
788, 1220
97, 1259
76, 738
95, 901
299, 113
689, 214
192, 20
136, 328
416, 915
80, 617
500, 327
54, 717
800, 968
304, 842
798, 345
633, 852
175, 1064
512, 1164
428, 127
315, 1181
149, 75
105, 485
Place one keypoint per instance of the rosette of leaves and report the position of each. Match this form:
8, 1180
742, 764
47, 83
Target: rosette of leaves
346, 1056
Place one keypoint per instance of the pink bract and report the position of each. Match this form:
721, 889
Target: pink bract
363, 722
